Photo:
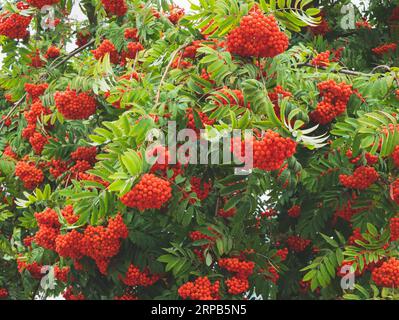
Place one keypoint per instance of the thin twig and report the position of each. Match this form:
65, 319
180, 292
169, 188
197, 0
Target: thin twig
343, 71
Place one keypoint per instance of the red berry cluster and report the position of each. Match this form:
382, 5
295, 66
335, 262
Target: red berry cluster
243, 269
227, 214
61, 274
294, 211
131, 34
52, 52
133, 48
385, 49
282, 253
85, 154
14, 25
9, 152
3, 293
38, 141
115, 7
203, 117
34, 91
106, 47
322, 27
198, 235
74, 106
321, 60
335, 98
235, 98
49, 228
362, 178
297, 244
82, 38
271, 151
35, 59
257, 36
363, 24
127, 296
237, 285
41, 3
96, 242
69, 214
29, 174
134, 277
200, 188
387, 275
34, 268
57, 167
150, 193
175, 14
70, 295
200, 289
395, 156
394, 228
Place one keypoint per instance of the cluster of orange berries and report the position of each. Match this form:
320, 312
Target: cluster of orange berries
243, 269
131, 33
106, 47
85, 154
30, 175
395, 156
282, 253
134, 277
14, 25
234, 97
115, 7
271, 151
175, 14
361, 178
70, 295
96, 242
34, 91
198, 235
387, 275
49, 228
34, 268
385, 49
82, 38
3, 293
394, 228
203, 117
52, 52
321, 60
41, 3
363, 24
294, 211
335, 97
371, 159
200, 289
200, 188
150, 193
74, 106
61, 274
38, 141
297, 244
257, 36
32, 115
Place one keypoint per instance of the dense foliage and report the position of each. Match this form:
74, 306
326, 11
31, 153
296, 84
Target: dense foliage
83, 213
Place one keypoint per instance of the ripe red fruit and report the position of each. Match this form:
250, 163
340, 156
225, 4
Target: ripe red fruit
36, 110
321, 60
335, 97
52, 52
106, 47
386, 48
200, 289
150, 193
361, 179
115, 7
41, 3
175, 14
200, 187
61, 274
237, 285
29, 174
3, 293
82, 38
270, 152
243, 269
134, 277
85, 153
74, 106
34, 91
275, 95
14, 25
69, 214
257, 36
387, 275
131, 34
38, 141
203, 118
395, 156
297, 244
294, 211
394, 228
